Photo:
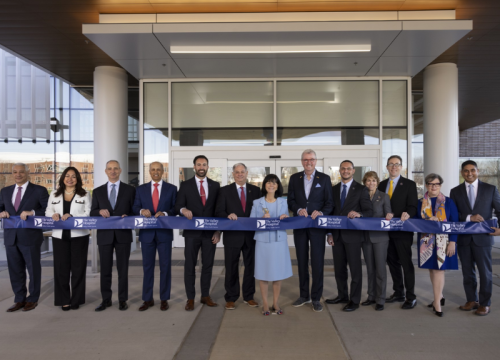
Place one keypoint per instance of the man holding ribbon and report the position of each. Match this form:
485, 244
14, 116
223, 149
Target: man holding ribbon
198, 197
23, 245
114, 198
476, 201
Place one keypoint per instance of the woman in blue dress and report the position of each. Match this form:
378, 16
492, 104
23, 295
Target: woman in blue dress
272, 256
437, 251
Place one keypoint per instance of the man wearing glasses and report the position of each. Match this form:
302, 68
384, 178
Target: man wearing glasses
310, 194
404, 201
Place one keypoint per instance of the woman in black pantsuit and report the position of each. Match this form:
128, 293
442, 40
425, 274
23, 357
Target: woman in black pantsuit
70, 246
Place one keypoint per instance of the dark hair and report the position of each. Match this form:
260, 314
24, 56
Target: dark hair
395, 157
272, 178
469, 162
200, 157
349, 161
79, 190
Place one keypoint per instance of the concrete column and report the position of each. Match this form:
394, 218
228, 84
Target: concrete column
441, 137
110, 129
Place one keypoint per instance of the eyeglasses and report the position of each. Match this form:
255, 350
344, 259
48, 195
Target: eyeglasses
393, 165
308, 160
433, 184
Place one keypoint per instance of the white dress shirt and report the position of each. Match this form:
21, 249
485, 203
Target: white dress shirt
117, 187
23, 187
238, 187
205, 186
467, 185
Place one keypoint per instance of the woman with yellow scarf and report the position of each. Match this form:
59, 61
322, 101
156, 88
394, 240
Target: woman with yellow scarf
437, 252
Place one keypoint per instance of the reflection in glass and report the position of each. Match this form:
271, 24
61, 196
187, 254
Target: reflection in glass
328, 136
418, 157
394, 97
394, 143
62, 156
39, 156
82, 125
256, 175
155, 149
214, 173
360, 171
82, 156
419, 179
155, 105
82, 98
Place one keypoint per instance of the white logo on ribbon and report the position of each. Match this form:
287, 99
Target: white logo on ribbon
139, 222
200, 223
38, 222
78, 223
322, 221
446, 228
385, 224
261, 224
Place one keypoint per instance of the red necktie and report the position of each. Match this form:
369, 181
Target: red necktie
202, 193
243, 200
156, 197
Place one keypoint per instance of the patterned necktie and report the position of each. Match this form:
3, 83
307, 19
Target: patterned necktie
343, 195
156, 197
17, 201
112, 196
391, 189
472, 196
242, 197
202, 193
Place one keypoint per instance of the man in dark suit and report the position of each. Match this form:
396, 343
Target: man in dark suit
198, 197
404, 201
476, 201
234, 201
350, 199
113, 199
155, 199
22, 246
310, 194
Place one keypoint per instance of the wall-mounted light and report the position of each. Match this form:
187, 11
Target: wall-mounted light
270, 49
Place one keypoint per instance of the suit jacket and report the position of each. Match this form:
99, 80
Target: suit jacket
144, 200
189, 198
381, 207
258, 212
487, 200
358, 199
320, 197
228, 202
80, 206
124, 206
404, 199
35, 198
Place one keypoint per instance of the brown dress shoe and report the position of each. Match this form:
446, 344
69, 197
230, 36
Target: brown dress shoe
189, 305
469, 305
252, 303
164, 305
230, 305
17, 306
30, 306
483, 311
207, 300
146, 305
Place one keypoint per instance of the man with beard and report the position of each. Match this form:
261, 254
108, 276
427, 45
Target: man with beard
198, 197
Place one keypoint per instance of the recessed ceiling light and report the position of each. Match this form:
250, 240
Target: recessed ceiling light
273, 49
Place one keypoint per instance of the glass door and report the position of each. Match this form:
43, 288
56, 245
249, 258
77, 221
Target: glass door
361, 166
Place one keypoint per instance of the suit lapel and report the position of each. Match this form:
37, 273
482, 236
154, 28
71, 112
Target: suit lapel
336, 193
196, 192
301, 185
29, 190
119, 195
479, 193
398, 186
8, 200
148, 196
248, 207
105, 196
463, 192
349, 196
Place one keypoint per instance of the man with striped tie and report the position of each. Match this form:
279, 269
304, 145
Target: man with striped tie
404, 201
114, 198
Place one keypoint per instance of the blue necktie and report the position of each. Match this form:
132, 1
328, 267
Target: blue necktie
112, 197
343, 195
472, 196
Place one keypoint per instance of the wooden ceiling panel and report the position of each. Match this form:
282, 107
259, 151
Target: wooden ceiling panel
215, 8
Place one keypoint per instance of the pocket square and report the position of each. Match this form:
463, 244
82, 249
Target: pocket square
318, 185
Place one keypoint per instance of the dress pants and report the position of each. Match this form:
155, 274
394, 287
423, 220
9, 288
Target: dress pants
348, 254
401, 266
316, 238
19, 259
191, 249
232, 280
471, 256
122, 261
148, 266
70, 265
375, 255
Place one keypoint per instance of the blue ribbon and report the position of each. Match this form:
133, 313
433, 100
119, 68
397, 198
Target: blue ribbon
250, 224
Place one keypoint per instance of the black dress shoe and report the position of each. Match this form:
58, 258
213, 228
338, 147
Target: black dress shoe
432, 303
75, 307
337, 300
438, 313
379, 307
123, 306
350, 307
66, 308
102, 306
395, 298
409, 304
368, 302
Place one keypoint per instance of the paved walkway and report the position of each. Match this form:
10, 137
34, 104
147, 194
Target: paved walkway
213, 333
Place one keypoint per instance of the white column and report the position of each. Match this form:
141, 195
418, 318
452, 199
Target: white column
110, 121
441, 137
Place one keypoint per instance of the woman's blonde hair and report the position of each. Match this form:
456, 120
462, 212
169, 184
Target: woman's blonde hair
371, 174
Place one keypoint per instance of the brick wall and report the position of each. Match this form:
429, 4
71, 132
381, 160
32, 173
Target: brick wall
481, 141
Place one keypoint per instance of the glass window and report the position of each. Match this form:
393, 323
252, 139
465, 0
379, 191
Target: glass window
82, 156
155, 105
394, 98
358, 174
39, 156
214, 173
256, 175
62, 156
222, 113
62, 94
394, 142
155, 149
82, 125
82, 98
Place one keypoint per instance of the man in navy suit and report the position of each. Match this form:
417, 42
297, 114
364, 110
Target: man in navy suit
155, 199
310, 194
476, 201
23, 245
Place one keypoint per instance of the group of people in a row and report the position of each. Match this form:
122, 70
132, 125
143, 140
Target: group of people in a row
265, 253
